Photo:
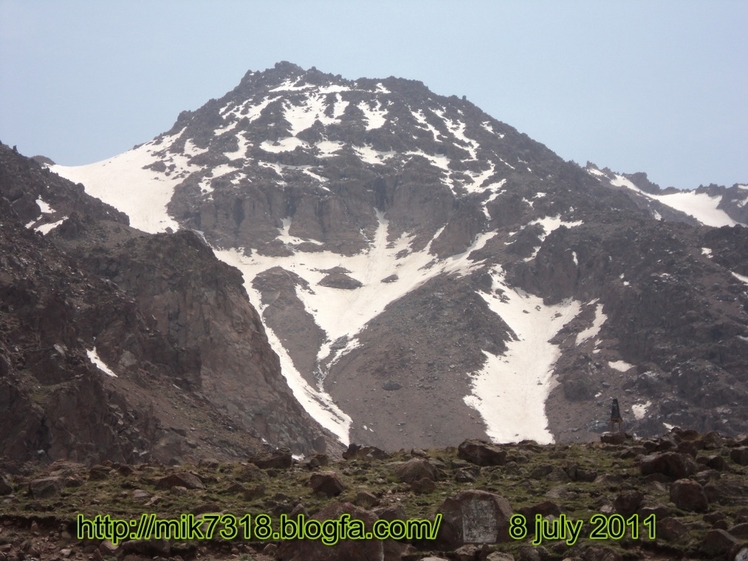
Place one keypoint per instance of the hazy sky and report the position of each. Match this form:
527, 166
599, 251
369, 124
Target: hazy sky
656, 86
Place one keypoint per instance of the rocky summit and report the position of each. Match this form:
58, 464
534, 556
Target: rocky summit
411, 273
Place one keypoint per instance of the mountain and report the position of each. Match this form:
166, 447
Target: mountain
427, 274
127, 346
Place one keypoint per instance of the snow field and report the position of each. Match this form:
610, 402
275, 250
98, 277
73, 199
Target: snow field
511, 389
345, 312
140, 193
699, 205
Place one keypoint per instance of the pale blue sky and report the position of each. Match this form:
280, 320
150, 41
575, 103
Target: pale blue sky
657, 86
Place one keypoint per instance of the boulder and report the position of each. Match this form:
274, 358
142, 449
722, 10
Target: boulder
740, 455
46, 487
628, 502
326, 483
671, 529
474, 517
481, 453
185, 479
280, 459
5, 487
718, 542
688, 495
671, 464
415, 470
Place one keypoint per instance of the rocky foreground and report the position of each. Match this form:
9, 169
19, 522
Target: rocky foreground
689, 493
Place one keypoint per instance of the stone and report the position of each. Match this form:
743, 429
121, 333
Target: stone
316, 461
364, 499
500, 556
740, 455
473, 517
468, 552
326, 483
146, 547
671, 529
414, 470
740, 531
423, 486
628, 502
5, 487
613, 438
185, 479
364, 452
688, 495
46, 487
251, 472
671, 464
280, 459
481, 453
98, 473
718, 542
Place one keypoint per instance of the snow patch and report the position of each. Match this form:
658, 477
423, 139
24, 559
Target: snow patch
93, 356
371, 156
287, 144
45, 208
706, 251
46, 228
594, 329
640, 409
700, 206
375, 117
741, 278
620, 365
123, 182
511, 389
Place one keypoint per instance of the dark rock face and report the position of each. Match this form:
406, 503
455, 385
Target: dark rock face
159, 311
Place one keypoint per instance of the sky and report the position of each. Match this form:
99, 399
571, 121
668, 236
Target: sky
654, 86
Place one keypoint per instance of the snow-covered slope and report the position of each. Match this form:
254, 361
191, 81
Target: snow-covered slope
706, 207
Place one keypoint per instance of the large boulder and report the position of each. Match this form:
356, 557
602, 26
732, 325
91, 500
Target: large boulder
326, 483
688, 495
473, 517
46, 487
671, 464
481, 453
415, 470
186, 479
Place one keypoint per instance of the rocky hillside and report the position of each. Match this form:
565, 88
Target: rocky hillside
125, 346
427, 273
682, 496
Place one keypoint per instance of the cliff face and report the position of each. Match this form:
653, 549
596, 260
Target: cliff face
124, 346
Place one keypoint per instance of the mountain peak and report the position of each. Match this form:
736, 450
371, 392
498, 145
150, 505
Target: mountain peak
410, 253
